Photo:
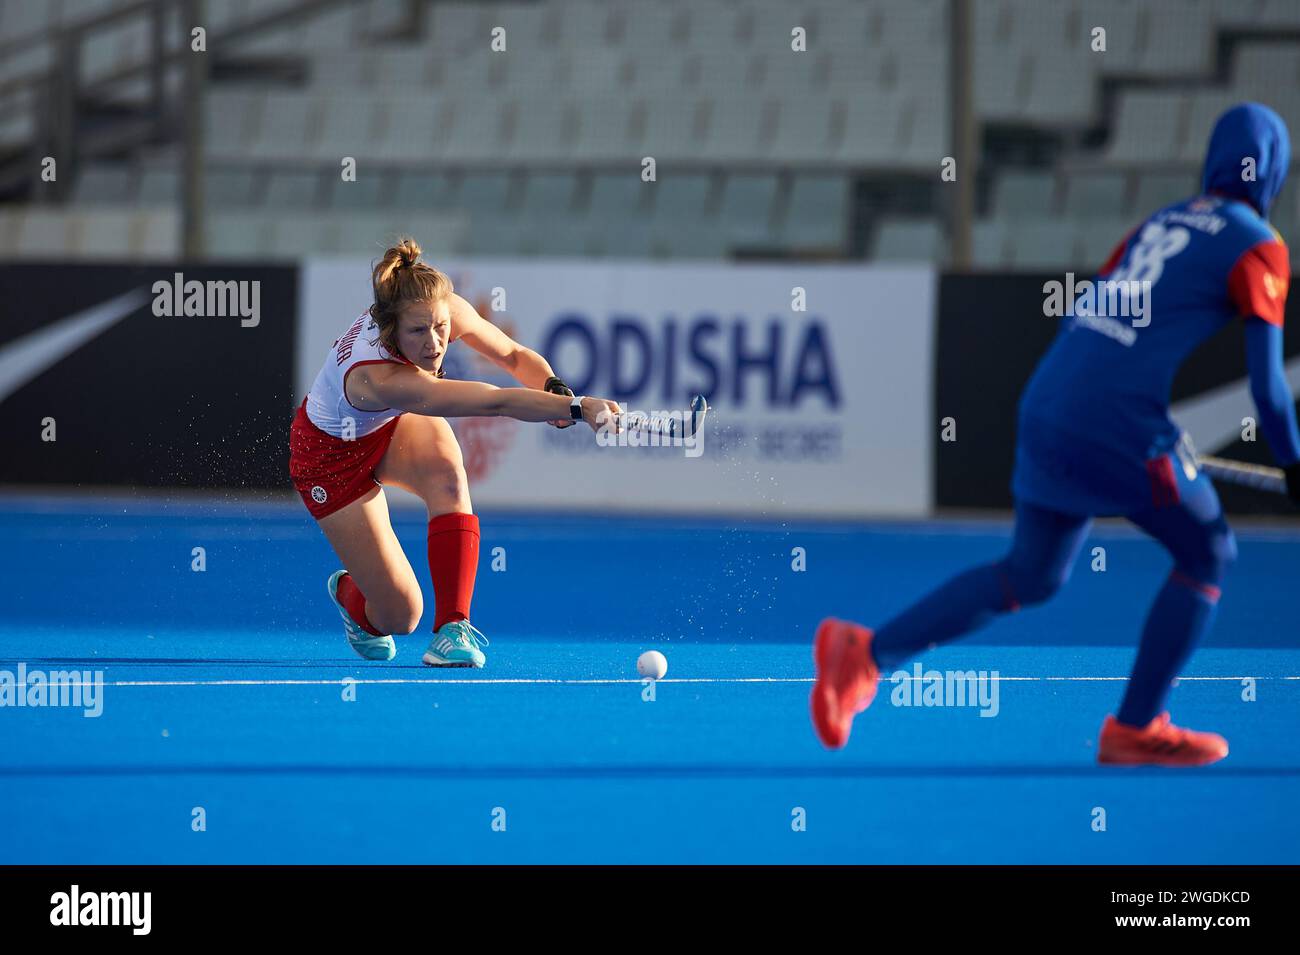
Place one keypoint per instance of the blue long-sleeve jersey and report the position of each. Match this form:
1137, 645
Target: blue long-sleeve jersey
1188, 270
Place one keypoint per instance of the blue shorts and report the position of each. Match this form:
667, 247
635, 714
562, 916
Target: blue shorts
1078, 476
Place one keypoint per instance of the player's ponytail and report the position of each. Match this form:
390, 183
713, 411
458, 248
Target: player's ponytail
400, 279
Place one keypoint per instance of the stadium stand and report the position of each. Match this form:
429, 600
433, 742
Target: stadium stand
759, 150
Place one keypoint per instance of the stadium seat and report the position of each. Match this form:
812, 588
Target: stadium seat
369, 191
618, 196
484, 194
904, 240
676, 130
410, 129
292, 189
11, 217
232, 187
1146, 128
475, 132
806, 132
540, 131
1204, 108
703, 241
242, 236
115, 47
557, 240
104, 234
872, 132
1260, 69
348, 127
1179, 40
607, 131
1094, 195
816, 212
499, 237
989, 243
549, 195
1097, 238
44, 233
592, 88
626, 239
158, 235
416, 190
107, 184
231, 121
1061, 91
681, 199
747, 210
1046, 244
1024, 194
1155, 190
289, 124
160, 185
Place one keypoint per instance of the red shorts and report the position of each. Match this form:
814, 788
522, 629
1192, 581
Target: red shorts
329, 472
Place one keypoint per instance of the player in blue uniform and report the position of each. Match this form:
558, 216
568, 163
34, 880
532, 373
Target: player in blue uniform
1095, 439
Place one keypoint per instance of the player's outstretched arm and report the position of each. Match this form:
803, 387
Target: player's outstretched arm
1274, 402
523, 364
412, 389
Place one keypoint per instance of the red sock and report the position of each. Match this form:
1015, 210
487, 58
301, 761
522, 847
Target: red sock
453, 564
354, 602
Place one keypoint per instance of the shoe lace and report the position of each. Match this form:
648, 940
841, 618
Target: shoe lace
467, 634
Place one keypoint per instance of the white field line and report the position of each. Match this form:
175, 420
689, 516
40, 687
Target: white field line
524, 681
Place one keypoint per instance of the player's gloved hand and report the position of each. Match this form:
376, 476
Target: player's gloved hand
557, 387
600, 413
1293, 483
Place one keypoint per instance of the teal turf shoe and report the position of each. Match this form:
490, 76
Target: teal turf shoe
366, 644
456, 644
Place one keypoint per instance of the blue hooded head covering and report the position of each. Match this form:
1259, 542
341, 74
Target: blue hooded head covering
1248, 130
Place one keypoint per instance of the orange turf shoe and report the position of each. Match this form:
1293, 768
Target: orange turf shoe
1159, 743
846, 679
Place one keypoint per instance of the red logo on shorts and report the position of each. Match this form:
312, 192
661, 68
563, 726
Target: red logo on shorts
318, 494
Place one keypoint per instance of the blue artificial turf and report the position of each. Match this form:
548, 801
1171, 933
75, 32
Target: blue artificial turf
225, 691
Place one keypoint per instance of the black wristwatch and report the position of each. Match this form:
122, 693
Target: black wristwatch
575, 408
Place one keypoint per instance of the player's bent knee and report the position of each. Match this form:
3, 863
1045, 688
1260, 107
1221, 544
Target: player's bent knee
1208, 561
1041, 590
1226, 549
398, 613
445, 486
1035, 587
1220, 554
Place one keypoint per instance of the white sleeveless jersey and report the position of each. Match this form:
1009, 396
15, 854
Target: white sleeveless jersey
327, 402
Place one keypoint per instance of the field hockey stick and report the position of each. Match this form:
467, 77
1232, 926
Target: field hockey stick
1258, 476
671, 426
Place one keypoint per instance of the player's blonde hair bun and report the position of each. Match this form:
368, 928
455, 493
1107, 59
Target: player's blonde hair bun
400, 279
404, 255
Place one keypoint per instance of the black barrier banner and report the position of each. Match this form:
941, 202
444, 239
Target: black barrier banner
167, 376
991, 332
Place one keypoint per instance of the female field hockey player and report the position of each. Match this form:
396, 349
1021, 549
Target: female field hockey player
376, 415
1095, 438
